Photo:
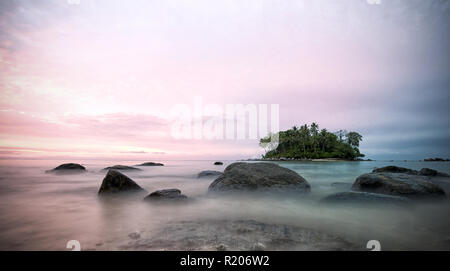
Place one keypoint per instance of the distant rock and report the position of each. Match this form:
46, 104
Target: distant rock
150, 164
399, 184
437, 159
68, 168
422, 172
363, 197
121, 167
209, 173
395, 169
116, 182
166, 194
218, 163
259, 177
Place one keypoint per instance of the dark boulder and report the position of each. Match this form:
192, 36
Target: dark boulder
363, 198
395, 169
166, 194
431, 172
121, 167
218, 163
115, 182
259, 177
150, 164
209, 173
399, 184
68, 168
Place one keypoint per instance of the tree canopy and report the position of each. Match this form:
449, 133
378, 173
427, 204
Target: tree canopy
309, 142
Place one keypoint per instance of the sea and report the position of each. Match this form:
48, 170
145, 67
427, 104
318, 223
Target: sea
42, 211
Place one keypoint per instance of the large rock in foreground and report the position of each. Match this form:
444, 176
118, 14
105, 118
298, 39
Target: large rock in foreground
68, 168
259, 177
116, 182
166, 194
363, 198
399, 184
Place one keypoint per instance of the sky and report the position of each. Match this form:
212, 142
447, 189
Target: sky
92, 79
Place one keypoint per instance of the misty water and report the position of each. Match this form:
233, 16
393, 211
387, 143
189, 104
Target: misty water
42, 211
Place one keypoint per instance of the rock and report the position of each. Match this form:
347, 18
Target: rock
150, 164
437, 159
258, 247
395, 169
121, 167
400, 184
221, 248
432, 172
166, 194
363, 197
261, 177
209, 173
115, 182
221, 235
68, 168
218, 163
134, 235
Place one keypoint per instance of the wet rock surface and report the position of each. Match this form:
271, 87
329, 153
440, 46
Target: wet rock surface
242, 235
68, 168
122, 167
259, 177
400, 184
172, 194
150, 164
116, 182
364, 198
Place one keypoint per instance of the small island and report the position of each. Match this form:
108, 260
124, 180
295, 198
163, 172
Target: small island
308, 142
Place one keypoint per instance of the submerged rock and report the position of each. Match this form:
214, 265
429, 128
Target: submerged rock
68, 168
209, 173
237, 235
121, 167
395, 169
401, 184
166, 194
218, 163
150, 164
261, 177
363, 197
116, 182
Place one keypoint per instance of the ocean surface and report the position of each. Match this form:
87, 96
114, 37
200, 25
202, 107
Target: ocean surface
40, 211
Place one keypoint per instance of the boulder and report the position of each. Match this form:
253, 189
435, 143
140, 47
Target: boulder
395, 169
431, 172
115, 182
150, 164
218, 163
363, 198
166, 194
399, 184
121, 167
209, 173
68, 168
260, 177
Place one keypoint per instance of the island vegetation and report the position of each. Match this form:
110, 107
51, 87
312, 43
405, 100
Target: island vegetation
309, 142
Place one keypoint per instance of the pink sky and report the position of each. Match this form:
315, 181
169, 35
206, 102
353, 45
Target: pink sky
98, 79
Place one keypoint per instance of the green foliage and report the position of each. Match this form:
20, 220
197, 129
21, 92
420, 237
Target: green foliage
311, 143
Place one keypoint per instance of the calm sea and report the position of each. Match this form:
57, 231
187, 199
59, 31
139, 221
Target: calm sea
42, 211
